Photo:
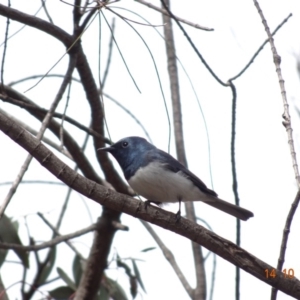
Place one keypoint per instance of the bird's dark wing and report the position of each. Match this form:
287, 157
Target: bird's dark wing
173, 165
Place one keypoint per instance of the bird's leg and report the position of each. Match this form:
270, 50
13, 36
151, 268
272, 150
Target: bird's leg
148, 202
178, 214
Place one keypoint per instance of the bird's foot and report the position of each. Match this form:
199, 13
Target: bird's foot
147, 203
177, 216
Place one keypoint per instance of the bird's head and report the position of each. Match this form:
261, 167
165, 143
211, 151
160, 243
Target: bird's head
128, 150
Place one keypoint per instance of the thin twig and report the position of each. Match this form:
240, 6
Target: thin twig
28, 106
121, 55
150, 5
130, 114
235, 183
170, 258
199, 292
157, 75
44, 126
12, 83
66, 202
287, 124
4, 49
286, 115
101, 85
285, 236
46, 11
61, 130
214, 267
34, 182
59, 239
193, 46
194, 91
55, 232
16, 32
260, 49
108, 62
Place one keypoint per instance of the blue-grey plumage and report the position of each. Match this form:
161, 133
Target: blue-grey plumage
157, 176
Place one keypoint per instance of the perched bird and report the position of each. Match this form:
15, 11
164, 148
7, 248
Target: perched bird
160, 178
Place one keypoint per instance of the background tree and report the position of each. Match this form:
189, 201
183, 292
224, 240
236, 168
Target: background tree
69, 102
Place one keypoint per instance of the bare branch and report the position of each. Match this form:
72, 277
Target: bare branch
177, 18
44, 126
260, 49
91, 277
59, 239
194, 47
286, 115
44, 139
4, 50
88, 83
56, 233
287, 124
170, 258
120, 226
200, 291
46, 11
71, 145
121, 203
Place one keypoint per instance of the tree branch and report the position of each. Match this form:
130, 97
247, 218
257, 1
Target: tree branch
200, 291
288, 126
170, 258
122, 203
59, 239
45, 123
177, 18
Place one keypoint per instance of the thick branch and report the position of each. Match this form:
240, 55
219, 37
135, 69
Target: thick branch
122, 203
96, 262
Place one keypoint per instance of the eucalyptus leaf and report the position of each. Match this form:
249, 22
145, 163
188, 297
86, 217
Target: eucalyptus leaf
3, 253
61, 293
115, 291
9, 234
77, 269
48, 268
63, 275
148, 249
137, 274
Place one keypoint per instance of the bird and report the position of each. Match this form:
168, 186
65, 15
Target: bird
160, 178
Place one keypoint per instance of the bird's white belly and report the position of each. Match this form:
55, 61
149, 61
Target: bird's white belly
157, 184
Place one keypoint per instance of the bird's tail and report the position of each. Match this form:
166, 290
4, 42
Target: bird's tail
234, 210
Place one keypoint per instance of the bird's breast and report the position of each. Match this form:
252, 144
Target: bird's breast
156, 183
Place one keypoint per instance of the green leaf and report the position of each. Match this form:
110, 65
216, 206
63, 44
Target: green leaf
3, 253
48, 268
148, 249
103, 293
115, 291
61, 293
77, 269
9, 234
123, 265
63, 275
138, 274
16, 224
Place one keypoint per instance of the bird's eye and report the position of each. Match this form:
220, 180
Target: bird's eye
124, 144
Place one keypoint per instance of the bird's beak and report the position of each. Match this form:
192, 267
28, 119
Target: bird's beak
107, 149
